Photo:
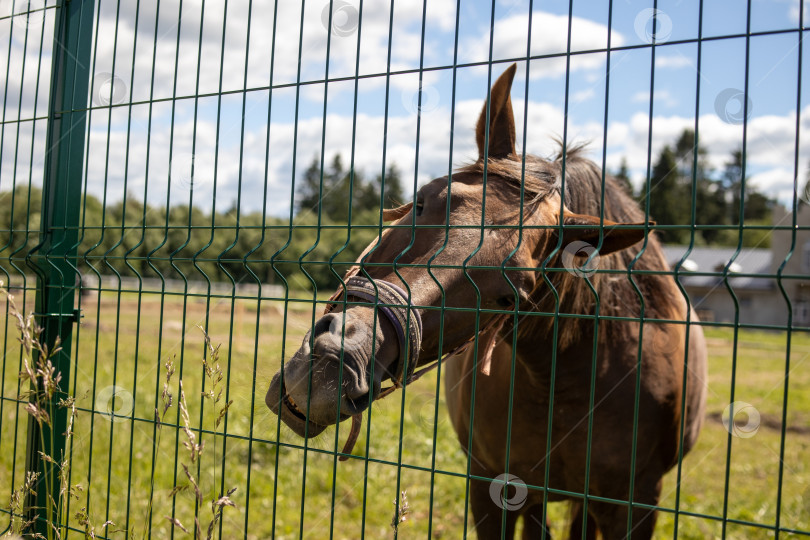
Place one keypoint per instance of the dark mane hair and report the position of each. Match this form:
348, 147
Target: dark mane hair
583, 195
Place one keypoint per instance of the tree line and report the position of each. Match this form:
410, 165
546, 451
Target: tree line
130, 238
716, 194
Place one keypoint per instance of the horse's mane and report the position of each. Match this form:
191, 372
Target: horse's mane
583, 195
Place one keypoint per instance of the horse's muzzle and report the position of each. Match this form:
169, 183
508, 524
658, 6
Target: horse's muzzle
290, 411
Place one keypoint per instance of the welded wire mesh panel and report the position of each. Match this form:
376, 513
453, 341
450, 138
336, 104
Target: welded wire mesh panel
590, 218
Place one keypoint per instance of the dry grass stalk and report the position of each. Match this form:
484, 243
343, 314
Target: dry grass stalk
214, 374
401, 512
213, 371
166, 399
43, 382
83, 519
17, 505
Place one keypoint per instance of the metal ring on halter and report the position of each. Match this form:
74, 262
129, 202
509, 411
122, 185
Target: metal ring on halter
392, 302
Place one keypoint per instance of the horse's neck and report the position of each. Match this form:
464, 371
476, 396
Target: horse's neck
539, 359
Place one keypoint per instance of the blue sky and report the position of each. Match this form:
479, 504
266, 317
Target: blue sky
123, 61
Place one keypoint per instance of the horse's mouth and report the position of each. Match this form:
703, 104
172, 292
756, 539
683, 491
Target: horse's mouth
282, 403
289, 402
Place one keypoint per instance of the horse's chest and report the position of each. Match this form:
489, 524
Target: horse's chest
504, 394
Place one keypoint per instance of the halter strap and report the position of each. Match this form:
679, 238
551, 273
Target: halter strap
392, 302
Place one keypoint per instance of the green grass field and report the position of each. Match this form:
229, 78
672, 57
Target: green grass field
123, 345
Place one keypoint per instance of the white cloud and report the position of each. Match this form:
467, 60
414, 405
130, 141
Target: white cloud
770, 145
794, 11
673, 61
549, 37
175, 38
583, 95
778, 182
661, 97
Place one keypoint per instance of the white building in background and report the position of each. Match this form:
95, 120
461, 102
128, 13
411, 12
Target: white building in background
752, 277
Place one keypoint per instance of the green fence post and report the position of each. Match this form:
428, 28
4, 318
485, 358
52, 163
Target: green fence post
54, 258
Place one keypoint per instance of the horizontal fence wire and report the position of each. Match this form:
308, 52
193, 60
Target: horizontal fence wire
237, 160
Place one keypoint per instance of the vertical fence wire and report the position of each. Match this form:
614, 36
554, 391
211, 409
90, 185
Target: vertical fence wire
258, 280
780, 270
678, 268
731, 291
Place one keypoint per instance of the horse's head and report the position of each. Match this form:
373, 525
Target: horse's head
461, 246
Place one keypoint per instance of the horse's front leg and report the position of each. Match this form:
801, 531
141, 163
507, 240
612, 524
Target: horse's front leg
488, 510
612, 518
534, 528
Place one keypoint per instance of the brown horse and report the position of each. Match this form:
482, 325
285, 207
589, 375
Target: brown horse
546, 352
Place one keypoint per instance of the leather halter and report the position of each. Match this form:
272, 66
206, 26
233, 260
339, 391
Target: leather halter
394, 303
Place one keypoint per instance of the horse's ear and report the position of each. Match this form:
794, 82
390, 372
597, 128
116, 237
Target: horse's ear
392, 214
613, 239
501, 119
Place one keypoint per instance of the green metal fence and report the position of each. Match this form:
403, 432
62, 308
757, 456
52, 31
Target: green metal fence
170, 165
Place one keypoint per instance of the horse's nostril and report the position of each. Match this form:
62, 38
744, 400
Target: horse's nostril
357, 404
324, 324
355, 388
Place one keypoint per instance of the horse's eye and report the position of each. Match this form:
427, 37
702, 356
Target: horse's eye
419, 206
505, 301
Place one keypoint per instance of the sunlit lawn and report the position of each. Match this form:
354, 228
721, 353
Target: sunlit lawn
288, 489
